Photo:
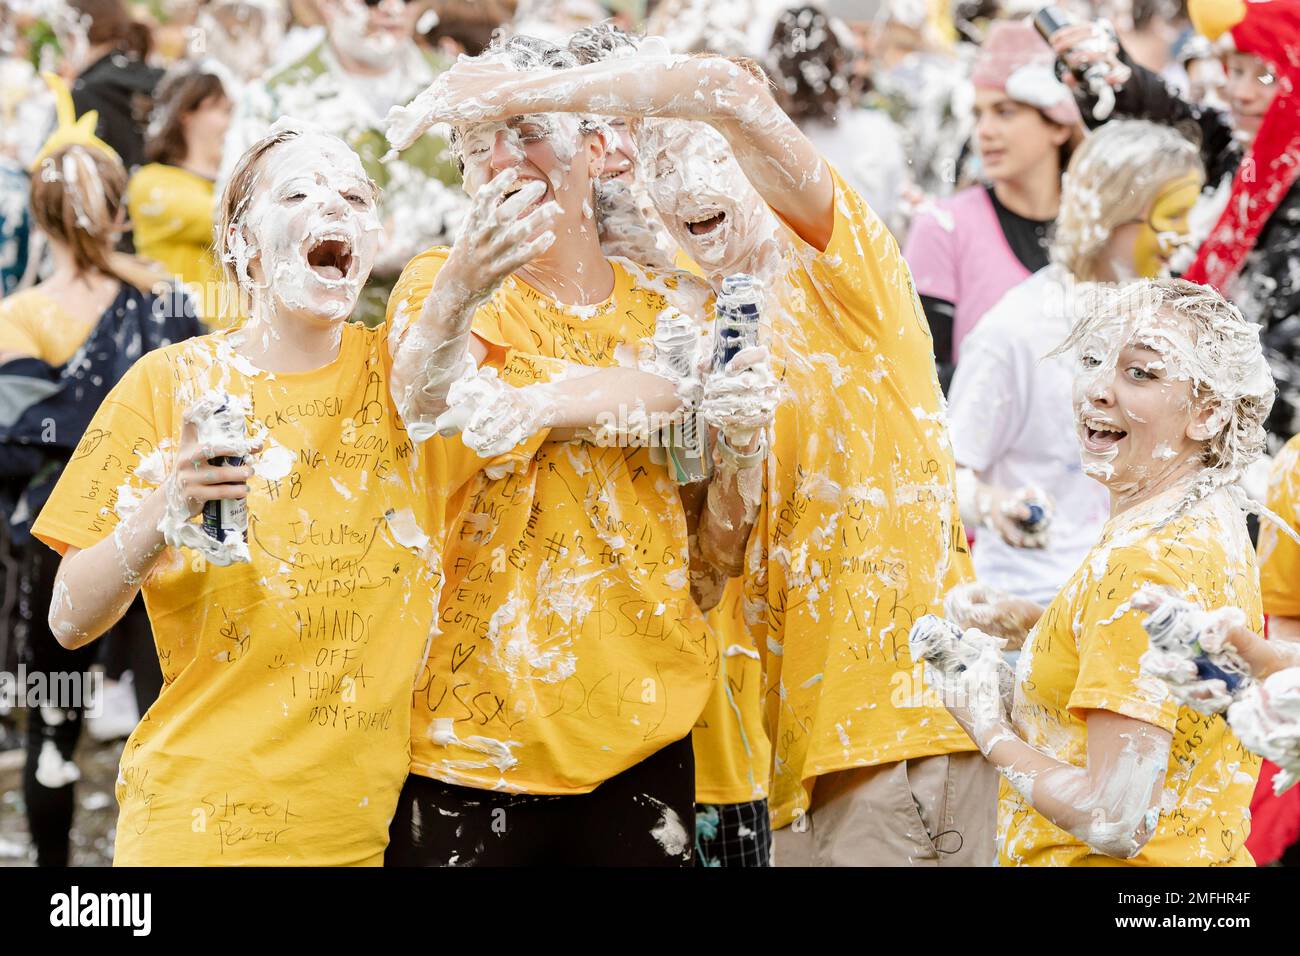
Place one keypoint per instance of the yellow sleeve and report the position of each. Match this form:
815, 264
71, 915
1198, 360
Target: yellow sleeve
165, 208
1112, 641
1279, 555
862, 269
18, 333
82, 509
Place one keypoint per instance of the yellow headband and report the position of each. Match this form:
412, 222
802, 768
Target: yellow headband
70, 130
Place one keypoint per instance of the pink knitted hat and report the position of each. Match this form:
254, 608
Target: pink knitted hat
1017, 61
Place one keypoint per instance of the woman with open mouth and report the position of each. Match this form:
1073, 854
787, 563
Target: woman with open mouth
1250, 208
291, 622
64, 344
1102, 766
1124, 206
552, 719
857, 529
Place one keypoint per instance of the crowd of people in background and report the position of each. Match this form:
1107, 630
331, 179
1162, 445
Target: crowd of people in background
1030, 352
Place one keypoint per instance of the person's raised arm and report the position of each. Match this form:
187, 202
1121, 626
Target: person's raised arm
779, 160
1141, 94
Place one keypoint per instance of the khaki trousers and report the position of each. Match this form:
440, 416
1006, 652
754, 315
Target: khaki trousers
931, 811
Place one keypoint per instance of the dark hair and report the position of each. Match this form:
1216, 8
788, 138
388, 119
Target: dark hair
179, 95
470, 23
111, 22
808, 64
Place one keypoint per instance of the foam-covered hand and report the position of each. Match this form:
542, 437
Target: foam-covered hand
492, 416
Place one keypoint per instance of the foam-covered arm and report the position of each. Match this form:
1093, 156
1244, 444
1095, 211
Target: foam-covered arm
431, 353
94, 587
732, 504
610, 406
1112, 804
778, 159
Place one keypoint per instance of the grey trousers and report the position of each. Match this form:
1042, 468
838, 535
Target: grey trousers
931, 811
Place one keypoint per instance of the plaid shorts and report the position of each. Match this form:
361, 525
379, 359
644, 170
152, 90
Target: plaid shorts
733, 834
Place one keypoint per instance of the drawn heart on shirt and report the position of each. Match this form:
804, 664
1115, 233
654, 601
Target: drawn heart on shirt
460, 654
1227, 837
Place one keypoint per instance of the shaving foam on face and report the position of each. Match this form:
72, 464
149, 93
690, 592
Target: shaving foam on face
1195, 337
351, 32
702, 196
312, 226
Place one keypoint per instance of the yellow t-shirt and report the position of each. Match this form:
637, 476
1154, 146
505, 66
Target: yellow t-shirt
1083, 655
859, 534
172, 211
1279, 556
281, 736
733, 757
570, 648
33, 324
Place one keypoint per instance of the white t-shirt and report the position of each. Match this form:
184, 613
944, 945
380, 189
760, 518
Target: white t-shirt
1012, 423
867, 149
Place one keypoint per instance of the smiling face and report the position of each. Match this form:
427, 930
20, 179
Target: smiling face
703, 196
311, 227
1136, 412
370, 35
1251, 86
620, 157
1013, 138
540, 147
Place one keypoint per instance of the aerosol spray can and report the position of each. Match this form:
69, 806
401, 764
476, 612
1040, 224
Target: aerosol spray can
736, 314
1173, 628
936, 640
1039, 516
688, 456
1049, 20
224, 425
1037, 513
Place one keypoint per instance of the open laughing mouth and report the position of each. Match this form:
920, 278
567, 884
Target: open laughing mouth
518, 185
330, 258
1099, 436
706, 225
